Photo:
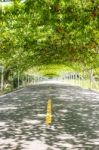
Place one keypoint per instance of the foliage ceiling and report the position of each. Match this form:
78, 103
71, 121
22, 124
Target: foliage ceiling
42, 32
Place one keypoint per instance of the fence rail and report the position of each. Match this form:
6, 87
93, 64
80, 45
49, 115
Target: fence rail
79, 80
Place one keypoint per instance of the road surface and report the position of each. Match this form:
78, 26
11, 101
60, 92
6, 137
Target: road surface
75, 119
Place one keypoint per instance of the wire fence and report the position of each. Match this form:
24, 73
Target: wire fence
76, 79
16, 80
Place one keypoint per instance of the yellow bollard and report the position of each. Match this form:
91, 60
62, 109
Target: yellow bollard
49, 113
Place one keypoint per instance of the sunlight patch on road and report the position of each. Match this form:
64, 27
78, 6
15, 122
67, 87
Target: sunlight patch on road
2, 123
34, 122
93, 141
66, 145
41, 115
7, 108
63, 111
65, 136
36, 145
5, 142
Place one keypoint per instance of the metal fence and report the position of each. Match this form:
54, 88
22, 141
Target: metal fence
77, 79
17, 80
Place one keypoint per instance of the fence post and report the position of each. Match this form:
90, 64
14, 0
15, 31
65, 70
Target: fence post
2, 78
91, 77
18, 79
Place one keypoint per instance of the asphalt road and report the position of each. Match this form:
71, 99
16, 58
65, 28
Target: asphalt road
75, 119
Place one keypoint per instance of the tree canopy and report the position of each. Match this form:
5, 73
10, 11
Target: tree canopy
42, 32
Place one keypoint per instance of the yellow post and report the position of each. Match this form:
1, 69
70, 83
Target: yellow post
49, 113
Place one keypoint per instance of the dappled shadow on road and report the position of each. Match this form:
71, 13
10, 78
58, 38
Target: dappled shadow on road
75, 124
